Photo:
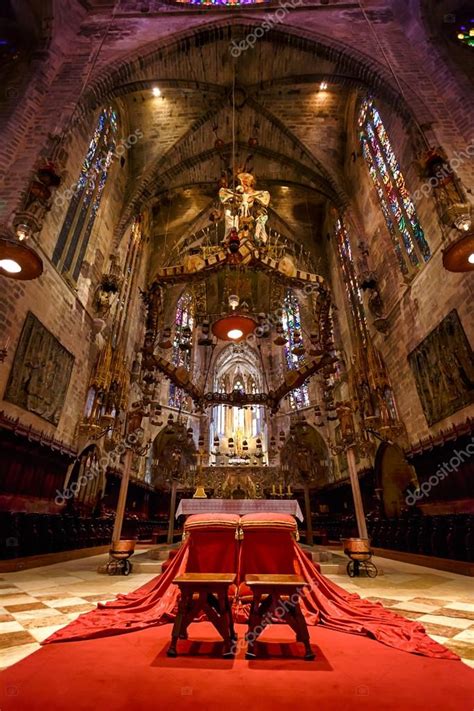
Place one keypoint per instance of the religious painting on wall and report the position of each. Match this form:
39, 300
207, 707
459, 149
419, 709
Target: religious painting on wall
443, 366
41, 372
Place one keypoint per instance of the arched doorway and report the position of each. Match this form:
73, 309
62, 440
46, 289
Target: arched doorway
306, 464
393, 475
172, 465
86, 482
238, 368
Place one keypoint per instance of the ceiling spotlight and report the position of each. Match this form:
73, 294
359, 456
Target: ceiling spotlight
235, 334
10, 266
470, 259
323, 86
156, 91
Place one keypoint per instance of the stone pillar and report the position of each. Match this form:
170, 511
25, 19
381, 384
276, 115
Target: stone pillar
174, 486
309, 522
358, 505
122, 499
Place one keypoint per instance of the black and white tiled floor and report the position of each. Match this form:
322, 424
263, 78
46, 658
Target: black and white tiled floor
35, 603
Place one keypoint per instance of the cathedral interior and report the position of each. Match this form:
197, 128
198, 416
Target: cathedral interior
236, 264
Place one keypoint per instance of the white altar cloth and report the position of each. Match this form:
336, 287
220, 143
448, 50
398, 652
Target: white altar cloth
239, 506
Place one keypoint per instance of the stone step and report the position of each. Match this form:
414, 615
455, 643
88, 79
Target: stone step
322, 556
151, 567
333, 568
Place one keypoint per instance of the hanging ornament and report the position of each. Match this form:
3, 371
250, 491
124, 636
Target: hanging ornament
318, 421
205, 340
280, 339
165, 342
170, 424
234, 241
298, 348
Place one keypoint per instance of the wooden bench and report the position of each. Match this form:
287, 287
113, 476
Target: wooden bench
281, 595
208, 593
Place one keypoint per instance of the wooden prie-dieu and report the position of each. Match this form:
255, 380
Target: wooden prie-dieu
208, 593
276, 597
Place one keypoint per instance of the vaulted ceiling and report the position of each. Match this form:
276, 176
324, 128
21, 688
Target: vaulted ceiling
299, 131
287, 131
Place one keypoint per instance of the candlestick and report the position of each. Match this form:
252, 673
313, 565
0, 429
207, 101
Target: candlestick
281, 490
289, 489
273, 490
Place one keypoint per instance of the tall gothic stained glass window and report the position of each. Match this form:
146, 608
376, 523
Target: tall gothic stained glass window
75, 233
397, 206
353, 292
291, 321
181, 355
230, 3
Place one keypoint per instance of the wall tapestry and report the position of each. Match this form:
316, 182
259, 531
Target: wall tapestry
443, 366
41, 371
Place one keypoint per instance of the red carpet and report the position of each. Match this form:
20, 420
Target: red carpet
131, 672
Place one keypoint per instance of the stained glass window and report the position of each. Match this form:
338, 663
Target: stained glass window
465, 30
181, 355
350, 280
87, 192
397, 206
291, 321
221, 2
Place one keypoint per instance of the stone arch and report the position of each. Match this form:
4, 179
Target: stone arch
393, 475
367, 71
225, 361
86, 477
304, 436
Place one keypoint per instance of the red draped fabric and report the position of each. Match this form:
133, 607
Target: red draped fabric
263, 550
213, 546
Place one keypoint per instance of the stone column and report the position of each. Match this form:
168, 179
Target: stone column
174, 487
309, 522
358, 505
122, 499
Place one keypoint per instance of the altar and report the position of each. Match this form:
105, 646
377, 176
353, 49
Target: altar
239, 506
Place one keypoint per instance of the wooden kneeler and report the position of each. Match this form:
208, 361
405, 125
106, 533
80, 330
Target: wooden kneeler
208, 593
281, 595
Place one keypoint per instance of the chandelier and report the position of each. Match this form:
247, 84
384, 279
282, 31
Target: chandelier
234, 327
